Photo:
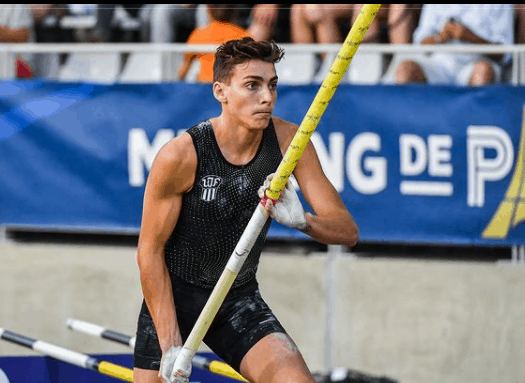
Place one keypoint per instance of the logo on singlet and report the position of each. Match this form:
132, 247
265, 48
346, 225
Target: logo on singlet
210, 185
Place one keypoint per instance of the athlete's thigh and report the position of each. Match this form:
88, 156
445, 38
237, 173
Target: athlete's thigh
275, 358
243, 320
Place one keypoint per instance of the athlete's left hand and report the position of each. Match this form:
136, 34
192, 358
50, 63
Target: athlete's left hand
167, 363
288, 210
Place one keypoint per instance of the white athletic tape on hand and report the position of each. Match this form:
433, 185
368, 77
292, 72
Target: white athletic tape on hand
287, 210
183, 364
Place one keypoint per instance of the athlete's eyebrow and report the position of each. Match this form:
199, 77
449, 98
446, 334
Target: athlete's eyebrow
259, 78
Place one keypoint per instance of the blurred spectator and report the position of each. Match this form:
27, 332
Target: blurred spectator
457, 24
330, 23
82, 9
172, 23
16, 26
104, 30
318, 23
48, 30
394, 23
263, 21
220, 29
76, 20
46, 18
519, 10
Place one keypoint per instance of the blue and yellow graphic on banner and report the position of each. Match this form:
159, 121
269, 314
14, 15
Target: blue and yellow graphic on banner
511, 211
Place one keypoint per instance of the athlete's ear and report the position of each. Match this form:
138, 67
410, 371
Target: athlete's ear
219, 92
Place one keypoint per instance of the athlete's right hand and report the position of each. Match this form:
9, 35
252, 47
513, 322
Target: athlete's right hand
166, 367
288, 210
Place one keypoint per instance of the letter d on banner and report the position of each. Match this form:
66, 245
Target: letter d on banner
482, 169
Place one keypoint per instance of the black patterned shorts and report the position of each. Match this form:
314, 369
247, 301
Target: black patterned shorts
243, 320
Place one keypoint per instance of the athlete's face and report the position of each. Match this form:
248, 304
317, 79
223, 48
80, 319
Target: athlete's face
250, 96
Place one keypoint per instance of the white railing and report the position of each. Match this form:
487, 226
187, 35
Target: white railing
167, 51
293, 48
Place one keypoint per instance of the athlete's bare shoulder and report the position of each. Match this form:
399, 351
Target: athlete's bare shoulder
176, 163
285, 131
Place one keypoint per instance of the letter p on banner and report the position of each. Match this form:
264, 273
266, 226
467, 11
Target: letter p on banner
482, 169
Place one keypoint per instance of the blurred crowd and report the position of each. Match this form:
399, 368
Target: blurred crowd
283, 23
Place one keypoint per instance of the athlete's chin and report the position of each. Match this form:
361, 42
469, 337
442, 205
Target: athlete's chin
261, 120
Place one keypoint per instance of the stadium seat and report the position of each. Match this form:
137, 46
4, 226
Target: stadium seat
365, 68
93, 67
142, 68
296, 68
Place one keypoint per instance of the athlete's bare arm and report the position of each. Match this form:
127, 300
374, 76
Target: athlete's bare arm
172, 174
332, 223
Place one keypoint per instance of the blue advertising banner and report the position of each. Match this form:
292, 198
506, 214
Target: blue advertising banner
414, 164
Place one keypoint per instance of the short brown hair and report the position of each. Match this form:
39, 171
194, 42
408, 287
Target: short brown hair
236, 52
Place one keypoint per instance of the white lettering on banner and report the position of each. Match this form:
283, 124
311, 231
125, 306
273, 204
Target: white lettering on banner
481, 169
439, 155
366, 184
426, 188
368, 174
331, 159
436, 154
141, 154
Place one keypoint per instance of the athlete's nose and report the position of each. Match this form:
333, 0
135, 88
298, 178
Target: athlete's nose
266, 94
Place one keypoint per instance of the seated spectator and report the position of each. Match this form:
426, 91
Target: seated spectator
519, 10
330, 23
75, 16
263, 21
172, 23
259, 20
318, 23
104, 30
46, 18
394, 23
16, 26
220, 29
48, 30
457, 24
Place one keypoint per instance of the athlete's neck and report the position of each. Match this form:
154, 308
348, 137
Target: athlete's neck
238, 144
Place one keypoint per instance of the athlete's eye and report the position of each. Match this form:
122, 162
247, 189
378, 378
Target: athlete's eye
251, 85
273, 86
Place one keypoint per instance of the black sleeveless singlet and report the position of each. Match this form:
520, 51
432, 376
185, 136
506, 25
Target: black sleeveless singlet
217, 209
